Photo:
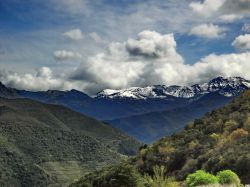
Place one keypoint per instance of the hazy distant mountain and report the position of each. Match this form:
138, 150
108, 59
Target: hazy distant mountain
146, 113
42, 144
200, 99
103, 108
154, 125
114, 104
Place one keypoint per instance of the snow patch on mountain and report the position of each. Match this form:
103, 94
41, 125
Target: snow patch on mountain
228, 87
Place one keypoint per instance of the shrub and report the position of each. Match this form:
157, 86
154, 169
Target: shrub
200, 177
160, 179
238, 134
228, 177
164, 150
215, 136
123, 175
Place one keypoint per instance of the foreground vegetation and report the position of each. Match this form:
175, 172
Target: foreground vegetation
125, 175
201, 178
218, 141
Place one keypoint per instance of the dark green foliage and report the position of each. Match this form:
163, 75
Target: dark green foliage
200, 178
123, 175
47, 144
126, 175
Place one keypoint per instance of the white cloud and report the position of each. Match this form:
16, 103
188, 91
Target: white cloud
145, 60
208, 31
227, 10
242, 42
152, 44
75, 34
42, 79
61, 55
230, 17
151, 58
224, 65
96, 37
207, 8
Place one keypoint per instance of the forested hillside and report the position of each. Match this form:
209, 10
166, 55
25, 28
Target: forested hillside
220, 140
43, 144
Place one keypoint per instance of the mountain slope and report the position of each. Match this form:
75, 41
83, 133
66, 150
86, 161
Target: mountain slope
42, 144
154, 125
8, 92
220, 140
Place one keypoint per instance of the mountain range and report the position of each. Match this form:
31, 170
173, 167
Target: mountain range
224, 86
146, 113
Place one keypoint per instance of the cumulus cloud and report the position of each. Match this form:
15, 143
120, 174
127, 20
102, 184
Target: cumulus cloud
208, 31
224, 65
141, 61
149, 59
228, 10
152, 58
152, 44
242, 42
62, 55
42, 79
75, 34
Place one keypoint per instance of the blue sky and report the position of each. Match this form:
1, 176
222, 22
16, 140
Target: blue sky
74, 38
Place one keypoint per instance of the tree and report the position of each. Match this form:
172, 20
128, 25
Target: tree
160, 179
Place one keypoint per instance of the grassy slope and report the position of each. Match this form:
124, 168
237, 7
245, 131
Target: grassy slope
42, 144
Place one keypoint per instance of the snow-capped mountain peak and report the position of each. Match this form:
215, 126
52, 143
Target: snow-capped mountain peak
228, 87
